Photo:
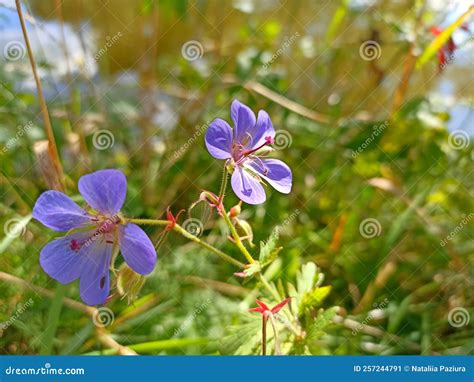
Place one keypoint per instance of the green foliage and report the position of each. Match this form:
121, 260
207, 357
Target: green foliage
269, 250
243, 339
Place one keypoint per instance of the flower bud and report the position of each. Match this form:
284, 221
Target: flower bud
244, 230
129, 283
209, 197
235, 211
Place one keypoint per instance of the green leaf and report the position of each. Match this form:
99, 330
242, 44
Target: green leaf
154, 347
252, 269
336, 20
400, 224
49, 334
173, 343
243, 339
306, 279
441, 39
78, 340
268, 250
315, 297
322, 321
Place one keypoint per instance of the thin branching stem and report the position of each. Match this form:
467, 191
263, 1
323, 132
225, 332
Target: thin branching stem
53, 149
236, 237
190, 236
225, 176
275, 335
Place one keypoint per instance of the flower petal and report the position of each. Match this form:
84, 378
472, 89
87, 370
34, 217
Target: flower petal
60, 261
219, 139
274, 171
256, 310
244, 122
262, 304
246, 187
279, 306
104, 190
57, 211
137, 249
95, 281
263, 129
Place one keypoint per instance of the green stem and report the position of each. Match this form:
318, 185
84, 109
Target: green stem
147, 221
248, 256
268, 287
275, 335
232, 229
191, 237
211, 248
218, 252
236, 237
225, 176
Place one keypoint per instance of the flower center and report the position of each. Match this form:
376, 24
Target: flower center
105, 226
239, 152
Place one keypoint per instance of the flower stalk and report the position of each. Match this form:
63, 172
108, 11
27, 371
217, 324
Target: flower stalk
177, 228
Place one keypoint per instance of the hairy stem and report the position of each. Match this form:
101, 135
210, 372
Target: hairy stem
275, 336
211, 248
190, 236
225, 176
264, 335
147, 221
236, 237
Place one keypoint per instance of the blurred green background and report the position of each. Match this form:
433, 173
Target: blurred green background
376, 127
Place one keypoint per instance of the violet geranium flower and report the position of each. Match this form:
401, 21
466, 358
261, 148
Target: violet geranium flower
243, 148
94, 235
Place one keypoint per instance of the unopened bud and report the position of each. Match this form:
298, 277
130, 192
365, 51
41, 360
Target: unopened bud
209, 197
235, 211
129, 283
244, 230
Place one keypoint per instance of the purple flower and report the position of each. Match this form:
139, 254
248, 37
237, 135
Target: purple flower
97, 231
243, 147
